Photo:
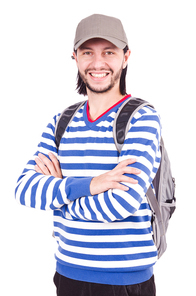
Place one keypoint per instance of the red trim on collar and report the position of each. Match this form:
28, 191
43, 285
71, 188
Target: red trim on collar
88, 114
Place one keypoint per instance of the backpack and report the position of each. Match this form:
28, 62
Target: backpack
163, 201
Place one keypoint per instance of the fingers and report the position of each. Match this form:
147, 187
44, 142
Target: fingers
123, 168
130, 170
126, 179
41, 167
116, 185
122, 179
47, 166
120, 172
103, 183
55, 162
120, 186
118, 178
126, 162
38, 170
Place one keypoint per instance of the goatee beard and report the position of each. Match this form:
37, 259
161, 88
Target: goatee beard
107, 88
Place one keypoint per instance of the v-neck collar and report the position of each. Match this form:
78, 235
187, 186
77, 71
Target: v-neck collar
97, 119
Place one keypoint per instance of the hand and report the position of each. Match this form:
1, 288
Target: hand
47, 166
112, 179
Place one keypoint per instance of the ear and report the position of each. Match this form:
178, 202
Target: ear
75, 57
126, 57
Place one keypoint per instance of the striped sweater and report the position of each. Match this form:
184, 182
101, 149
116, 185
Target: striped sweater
106, 238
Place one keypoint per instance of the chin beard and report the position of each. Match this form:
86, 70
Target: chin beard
99, 90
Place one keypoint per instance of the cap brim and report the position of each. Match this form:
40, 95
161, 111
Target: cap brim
118, 43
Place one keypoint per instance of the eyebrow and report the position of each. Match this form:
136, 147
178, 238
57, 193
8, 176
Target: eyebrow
84, 48
110, 47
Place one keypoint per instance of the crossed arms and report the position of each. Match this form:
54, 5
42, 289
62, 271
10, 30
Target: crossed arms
100, 184
111, 196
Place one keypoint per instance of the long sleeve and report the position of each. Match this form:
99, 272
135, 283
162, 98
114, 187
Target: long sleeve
142, 142
89, 246
47, 192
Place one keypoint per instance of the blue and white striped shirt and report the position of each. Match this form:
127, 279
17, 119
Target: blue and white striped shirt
106, 238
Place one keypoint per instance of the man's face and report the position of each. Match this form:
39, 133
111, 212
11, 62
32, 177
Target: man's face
100, 64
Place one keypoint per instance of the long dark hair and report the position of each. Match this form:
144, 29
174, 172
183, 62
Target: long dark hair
81, 86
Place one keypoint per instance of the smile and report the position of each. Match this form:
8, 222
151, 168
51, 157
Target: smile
99, 75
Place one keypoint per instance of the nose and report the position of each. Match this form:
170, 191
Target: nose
98, 61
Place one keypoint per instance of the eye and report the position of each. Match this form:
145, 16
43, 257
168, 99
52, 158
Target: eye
87, 53
109, 53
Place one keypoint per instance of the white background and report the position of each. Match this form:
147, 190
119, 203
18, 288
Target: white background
37, 80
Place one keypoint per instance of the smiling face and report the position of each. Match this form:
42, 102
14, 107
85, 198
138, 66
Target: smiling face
100, 65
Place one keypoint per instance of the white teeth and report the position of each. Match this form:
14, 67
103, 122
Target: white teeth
99, 75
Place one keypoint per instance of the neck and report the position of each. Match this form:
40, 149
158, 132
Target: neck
99, 103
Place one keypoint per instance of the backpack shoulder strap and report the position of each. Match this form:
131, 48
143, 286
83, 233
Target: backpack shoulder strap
64, 119
124, 117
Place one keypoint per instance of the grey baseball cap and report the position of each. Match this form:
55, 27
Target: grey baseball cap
101, 26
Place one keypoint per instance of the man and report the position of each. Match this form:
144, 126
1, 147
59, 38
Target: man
102, 220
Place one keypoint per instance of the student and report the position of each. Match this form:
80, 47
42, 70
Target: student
102, 220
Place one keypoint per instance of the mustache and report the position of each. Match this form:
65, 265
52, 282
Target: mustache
100, 69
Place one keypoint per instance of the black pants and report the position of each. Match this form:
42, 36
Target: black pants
69, 287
